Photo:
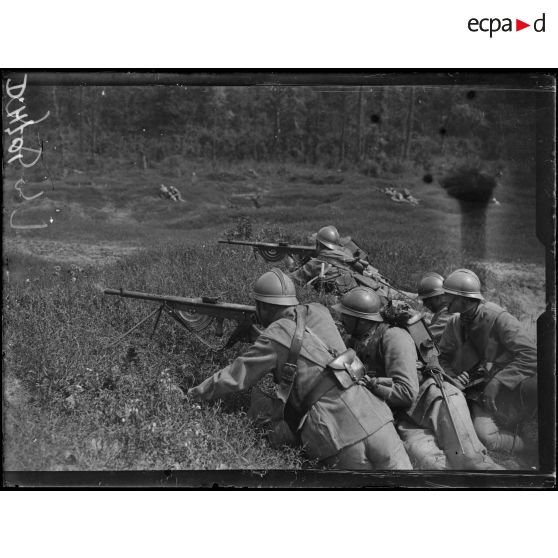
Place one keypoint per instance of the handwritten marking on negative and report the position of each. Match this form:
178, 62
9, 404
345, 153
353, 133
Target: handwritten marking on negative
18, 121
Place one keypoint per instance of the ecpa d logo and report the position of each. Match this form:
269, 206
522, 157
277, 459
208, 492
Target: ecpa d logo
494, 24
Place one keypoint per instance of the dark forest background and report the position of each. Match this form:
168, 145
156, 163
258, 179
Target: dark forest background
371, 129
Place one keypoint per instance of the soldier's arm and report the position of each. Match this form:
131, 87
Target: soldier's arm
242, 373
438, 325
400, 358
306, 272
448, 346
513, 337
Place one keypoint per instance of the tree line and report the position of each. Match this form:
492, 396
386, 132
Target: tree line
338, 127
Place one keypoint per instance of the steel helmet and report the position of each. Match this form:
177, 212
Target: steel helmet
329, 236
463, 282
431, 285
274, 287
361, 302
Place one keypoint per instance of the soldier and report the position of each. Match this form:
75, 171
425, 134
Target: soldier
333, 267
484, 339
434, 436
339, 421
163, 191
431, 292
175, 194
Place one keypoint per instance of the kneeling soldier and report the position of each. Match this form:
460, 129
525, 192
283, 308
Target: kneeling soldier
339, 422
431, 292
483, 339
435, 436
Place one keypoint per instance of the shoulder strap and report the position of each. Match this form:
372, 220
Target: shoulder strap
288, 373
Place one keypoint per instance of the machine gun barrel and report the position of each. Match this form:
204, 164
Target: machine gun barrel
203, 305
284, 245
197, 314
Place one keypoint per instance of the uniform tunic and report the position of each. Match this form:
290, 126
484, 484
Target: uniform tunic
493, 337
340, 418
396, 359
438, 323
423, 418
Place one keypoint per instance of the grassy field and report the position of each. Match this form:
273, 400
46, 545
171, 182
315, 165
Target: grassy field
74, 404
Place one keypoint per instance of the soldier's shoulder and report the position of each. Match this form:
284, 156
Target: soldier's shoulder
318, 308
492, 313
492, 308
280, 331
397, 334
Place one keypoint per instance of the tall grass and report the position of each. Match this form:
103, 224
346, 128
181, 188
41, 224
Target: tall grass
82, 405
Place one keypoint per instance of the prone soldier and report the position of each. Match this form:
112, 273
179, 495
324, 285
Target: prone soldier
433, 421
333, 267
482, 335
318, 397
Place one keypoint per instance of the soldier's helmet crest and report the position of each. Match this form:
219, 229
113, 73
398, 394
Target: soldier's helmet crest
431, 284
361, 302
274, 287
463, 282
329, 236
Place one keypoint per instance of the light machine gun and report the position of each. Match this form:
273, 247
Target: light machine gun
276, 251
360, 267
197, 314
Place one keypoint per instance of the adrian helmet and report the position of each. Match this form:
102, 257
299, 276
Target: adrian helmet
329, 236
274, 287
463, 282
431, 285
361, 302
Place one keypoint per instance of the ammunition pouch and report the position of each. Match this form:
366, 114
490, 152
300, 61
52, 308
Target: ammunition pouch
347, 369
342, 372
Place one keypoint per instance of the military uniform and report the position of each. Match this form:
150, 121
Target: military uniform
422, 417
494, 338
438, 323
346, 427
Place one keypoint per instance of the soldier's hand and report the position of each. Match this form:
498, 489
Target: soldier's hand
290, 263
368, 382
462, 380
489, 395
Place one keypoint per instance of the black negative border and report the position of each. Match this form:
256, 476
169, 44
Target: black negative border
543, 81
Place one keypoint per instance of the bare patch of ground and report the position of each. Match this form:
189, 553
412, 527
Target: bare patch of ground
79, 253
14, 393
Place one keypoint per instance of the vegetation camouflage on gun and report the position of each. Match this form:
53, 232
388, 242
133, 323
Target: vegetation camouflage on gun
197, 314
